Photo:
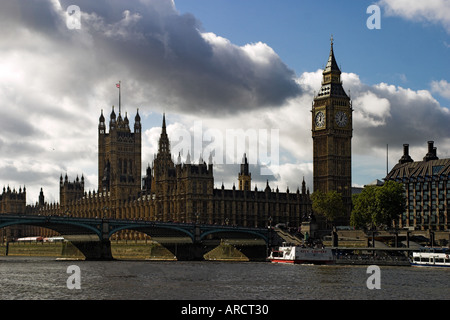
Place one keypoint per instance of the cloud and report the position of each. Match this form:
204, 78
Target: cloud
383, 114
373, 111
179, 66
441, 87
150, 45
388, 114
54, 79
434, 11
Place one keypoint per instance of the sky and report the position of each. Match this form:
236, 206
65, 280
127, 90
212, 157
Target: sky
217, 67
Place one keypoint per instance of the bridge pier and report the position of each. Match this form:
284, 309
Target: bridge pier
93, 246
197, 251
187, 251
95, 250
253, 252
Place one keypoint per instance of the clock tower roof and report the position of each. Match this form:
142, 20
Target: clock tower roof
332, 65
331, 83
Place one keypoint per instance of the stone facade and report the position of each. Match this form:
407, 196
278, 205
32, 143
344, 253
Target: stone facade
181, 192
332, 131
427, 190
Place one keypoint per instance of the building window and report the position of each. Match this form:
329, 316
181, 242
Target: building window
436, 169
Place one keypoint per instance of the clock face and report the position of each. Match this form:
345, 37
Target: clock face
341, 119
320, 119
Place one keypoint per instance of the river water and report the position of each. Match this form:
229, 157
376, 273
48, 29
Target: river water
31, 278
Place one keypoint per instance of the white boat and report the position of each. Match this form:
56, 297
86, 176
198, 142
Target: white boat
431, 257
299, 254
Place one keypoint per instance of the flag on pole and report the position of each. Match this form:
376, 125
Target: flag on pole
118, 86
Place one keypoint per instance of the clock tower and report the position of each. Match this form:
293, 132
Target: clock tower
332, 135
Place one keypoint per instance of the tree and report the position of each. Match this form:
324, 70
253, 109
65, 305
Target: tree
330, 205
364, 207
391, 201
378, 206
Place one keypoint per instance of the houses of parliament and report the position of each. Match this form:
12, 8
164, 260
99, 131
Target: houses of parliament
181, 192
185, 192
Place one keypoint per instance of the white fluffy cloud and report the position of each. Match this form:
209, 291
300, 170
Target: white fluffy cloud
435, 11
441, 87
371, 110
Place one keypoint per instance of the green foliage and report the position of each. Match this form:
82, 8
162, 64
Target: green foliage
378, 206
330, 204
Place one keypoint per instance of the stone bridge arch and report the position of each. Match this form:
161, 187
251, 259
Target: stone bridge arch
234, 233
92, 235
154, 231
87, 235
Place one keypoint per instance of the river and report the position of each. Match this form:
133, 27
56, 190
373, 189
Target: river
31, 278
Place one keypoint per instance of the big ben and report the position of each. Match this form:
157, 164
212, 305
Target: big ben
332, 134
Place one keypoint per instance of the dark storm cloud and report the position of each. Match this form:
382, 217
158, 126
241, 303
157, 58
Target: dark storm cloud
37, 15
11, 126
53, 79
386, 114
16, 178
150, 45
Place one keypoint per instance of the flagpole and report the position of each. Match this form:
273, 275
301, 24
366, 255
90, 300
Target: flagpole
119, 94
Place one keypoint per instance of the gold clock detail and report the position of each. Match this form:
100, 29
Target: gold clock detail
320, 119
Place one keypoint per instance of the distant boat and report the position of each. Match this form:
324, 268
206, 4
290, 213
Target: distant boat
431, 257
30, 239
301, 255
54, 239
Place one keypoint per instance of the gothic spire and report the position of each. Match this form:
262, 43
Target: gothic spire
331, 64
331, 82
164, 121
164, 144
102, 118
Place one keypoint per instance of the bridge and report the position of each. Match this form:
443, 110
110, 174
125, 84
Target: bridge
92, 235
